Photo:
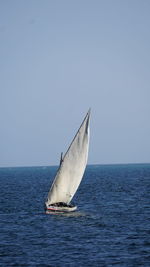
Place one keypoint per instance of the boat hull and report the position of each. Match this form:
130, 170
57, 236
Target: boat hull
54, 208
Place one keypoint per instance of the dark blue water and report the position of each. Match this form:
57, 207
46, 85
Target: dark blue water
110, 228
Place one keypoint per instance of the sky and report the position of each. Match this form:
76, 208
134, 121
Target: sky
60, 58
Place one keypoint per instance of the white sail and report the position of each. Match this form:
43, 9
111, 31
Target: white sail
72, 167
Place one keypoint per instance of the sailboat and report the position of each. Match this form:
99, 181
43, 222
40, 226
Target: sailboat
70, 172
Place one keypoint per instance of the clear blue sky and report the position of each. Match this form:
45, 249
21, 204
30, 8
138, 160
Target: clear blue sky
57, 59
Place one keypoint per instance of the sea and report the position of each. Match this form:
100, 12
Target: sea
111, 226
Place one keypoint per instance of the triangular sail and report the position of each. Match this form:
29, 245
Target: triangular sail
72, 167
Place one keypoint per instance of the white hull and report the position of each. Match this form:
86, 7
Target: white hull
52, 208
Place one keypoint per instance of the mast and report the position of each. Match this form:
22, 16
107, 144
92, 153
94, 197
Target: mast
61, 158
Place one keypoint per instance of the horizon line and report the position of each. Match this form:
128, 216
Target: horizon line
91, 164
